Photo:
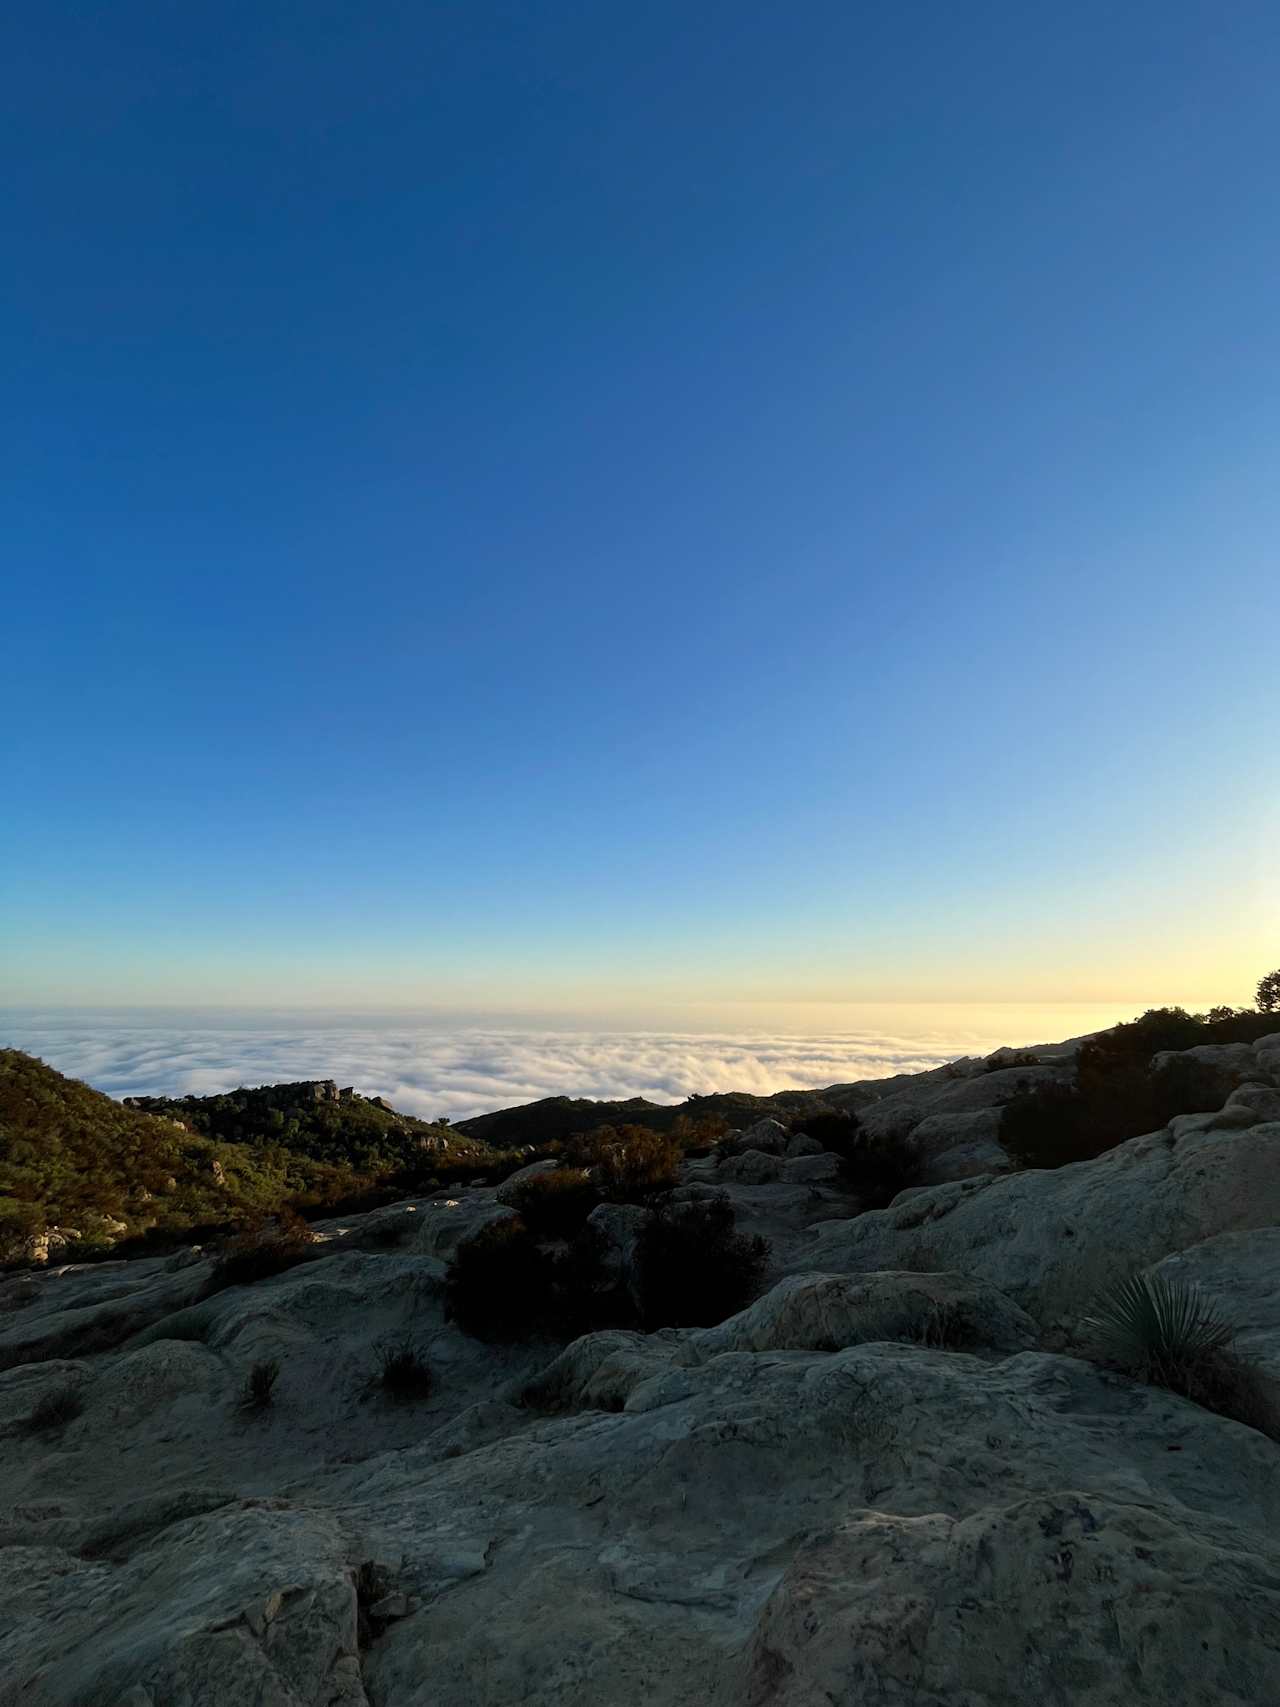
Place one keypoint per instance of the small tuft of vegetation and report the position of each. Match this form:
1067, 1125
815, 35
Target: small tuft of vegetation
57, 1408
403, 1374
555, 1205
694, 1268
1164, 1332
260, 1386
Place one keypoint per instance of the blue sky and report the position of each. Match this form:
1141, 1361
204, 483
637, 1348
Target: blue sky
582, 506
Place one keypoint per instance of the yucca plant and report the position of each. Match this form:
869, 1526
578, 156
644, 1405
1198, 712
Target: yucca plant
1163, 1329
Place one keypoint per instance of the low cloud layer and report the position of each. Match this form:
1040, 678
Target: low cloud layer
431, 1072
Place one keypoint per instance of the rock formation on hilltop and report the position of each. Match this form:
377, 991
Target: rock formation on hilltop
79, 1170
900, 1476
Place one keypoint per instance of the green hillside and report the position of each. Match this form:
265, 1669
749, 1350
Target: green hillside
313, 1119
74, 1158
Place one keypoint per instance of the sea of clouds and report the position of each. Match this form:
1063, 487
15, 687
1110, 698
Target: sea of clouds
431, 1070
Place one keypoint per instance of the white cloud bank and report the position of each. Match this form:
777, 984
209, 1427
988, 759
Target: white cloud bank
432, 1071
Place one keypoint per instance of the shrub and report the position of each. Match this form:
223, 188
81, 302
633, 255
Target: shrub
1163, 1332
402, 1374
1118, 1094
260, 1386
693, 1268
499, 1283
630, 1163
1050, 1127
555, 1205
834, 1130
878, 1168
586, 1293
261, 1251
56, 1409
698, 1134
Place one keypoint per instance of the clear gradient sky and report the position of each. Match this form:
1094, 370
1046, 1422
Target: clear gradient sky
591, 505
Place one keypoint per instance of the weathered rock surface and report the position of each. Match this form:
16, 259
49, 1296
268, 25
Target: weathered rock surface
1053, 1240
830, 1312
1062, 1599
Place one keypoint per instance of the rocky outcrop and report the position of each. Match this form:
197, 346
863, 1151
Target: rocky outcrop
1053, 1240
1061, 1599
875, 1484
830, 1312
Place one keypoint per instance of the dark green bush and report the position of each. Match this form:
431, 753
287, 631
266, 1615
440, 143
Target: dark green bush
499, 1285
876, 1168
586, 1294
694, 1268
1119, 1094
555, 1205
834, 1129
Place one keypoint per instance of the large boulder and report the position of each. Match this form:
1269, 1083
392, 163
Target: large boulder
768, 1136
827, 1312
751, 1167
823, 1168
256, 1604
618, 1226
93, 1306
508, 1191
1052, 1240
1063, 1599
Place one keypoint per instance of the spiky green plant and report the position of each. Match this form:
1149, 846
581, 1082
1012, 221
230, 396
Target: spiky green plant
1163, 1329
